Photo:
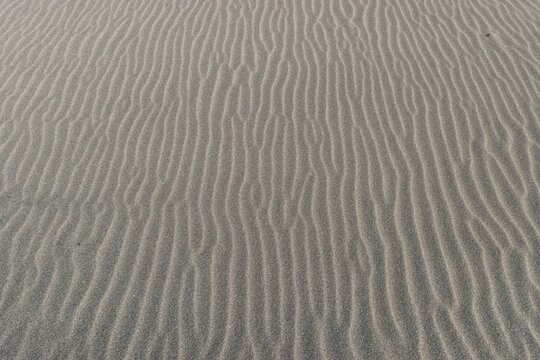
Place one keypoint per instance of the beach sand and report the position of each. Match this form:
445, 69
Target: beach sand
289, 179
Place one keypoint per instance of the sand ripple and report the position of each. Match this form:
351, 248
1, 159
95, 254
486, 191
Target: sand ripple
284, 179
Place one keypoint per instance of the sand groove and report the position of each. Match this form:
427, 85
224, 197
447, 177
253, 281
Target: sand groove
269, 179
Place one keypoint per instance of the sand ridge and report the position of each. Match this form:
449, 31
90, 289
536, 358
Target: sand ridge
269, 179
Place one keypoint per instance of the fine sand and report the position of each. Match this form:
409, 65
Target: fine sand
270, 179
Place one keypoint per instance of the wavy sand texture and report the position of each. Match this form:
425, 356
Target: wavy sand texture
289, 179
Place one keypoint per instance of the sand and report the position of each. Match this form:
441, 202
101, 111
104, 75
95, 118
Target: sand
289, 179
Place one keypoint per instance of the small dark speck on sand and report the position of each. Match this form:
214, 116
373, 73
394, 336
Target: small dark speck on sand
78, 244
487, 34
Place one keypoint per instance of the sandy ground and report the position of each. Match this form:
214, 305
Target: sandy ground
289, 179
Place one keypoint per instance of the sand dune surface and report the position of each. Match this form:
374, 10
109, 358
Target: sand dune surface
288, 179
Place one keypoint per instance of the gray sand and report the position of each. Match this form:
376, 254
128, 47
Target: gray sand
288, 179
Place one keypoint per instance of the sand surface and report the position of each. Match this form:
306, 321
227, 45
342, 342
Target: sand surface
288, 179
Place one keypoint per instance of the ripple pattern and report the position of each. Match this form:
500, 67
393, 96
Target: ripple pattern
288, 179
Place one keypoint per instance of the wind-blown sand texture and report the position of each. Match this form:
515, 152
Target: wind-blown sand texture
284, 179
